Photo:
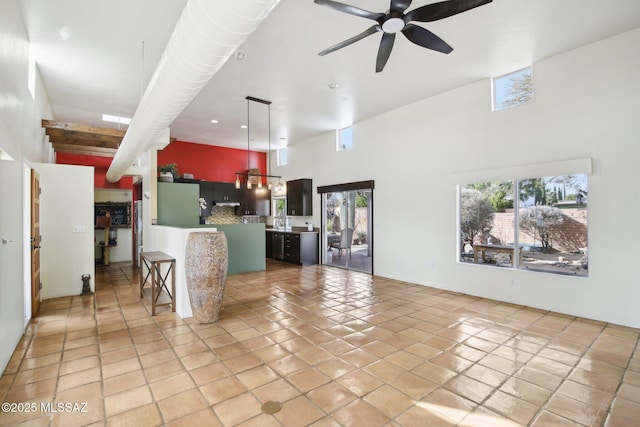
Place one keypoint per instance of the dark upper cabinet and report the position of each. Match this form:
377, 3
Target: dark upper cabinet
206, 193
254, 202
299, 201
224, 192
219, 193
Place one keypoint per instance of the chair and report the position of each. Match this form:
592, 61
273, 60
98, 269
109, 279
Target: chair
346, 238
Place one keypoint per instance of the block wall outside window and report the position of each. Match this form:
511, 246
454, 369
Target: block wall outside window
538, 224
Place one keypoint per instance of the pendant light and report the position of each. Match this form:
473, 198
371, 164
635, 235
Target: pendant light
248, 142
248, 173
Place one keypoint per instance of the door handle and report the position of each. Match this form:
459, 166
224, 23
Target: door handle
34, 247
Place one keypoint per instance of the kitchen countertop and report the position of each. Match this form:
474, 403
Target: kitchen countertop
294, 230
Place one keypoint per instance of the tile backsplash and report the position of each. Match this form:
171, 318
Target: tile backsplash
227, 215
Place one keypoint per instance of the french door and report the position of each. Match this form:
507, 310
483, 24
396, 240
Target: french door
347, 226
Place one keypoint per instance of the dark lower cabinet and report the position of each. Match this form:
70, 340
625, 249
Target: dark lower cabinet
293, 247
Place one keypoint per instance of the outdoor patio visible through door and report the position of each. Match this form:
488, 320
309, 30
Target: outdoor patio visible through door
347, 226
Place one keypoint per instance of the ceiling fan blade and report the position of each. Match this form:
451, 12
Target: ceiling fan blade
386, 44
351, 10
443, 9
400, 5
371, 30
425, 38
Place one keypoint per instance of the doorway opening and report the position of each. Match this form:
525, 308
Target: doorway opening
347, 226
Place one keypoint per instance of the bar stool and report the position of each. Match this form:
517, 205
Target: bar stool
153, 261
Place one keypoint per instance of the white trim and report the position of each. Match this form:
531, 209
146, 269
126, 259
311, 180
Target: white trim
509, 173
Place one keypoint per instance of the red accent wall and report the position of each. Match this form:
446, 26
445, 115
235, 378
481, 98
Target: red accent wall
205, 162
101, 165
211, 163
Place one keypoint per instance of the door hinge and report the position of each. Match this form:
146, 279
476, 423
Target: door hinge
40, 286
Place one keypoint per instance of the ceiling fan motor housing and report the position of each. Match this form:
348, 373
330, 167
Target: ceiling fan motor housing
392, 24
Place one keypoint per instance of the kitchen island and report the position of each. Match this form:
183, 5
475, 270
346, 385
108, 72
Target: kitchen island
246, 243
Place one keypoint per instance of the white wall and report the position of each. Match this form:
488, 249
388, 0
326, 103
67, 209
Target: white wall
21, 138
585, 106
66, 226
123, 251
11, 289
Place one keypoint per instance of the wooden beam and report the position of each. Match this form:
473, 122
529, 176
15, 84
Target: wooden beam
64, 137
74, 127
87, 151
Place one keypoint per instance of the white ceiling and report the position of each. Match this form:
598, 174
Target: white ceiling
96, 57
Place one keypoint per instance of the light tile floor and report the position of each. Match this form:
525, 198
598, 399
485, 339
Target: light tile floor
334, 347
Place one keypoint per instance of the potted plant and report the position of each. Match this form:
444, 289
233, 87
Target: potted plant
168, 172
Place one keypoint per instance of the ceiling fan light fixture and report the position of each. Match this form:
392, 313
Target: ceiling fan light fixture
397, 19
393, 25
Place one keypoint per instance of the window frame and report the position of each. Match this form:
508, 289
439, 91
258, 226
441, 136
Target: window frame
281, 161
339, 135
502, 81
516, 174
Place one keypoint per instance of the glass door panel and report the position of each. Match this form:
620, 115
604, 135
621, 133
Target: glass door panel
347, 230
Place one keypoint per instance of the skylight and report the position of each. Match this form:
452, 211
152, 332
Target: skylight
116, 119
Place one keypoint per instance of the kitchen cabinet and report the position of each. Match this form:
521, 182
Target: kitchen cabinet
224, 192
206, 193
254, 202
299, 200
218, 193
294, 247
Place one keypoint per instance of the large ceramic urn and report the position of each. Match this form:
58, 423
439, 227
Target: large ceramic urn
206, 272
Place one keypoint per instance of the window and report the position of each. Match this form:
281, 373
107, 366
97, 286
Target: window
344, 139
512, 89
282, 156
537, 224
280, 207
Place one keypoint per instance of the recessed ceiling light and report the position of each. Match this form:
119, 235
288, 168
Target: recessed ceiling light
116, 119
333, 85
240, 56
214, 121
243, 126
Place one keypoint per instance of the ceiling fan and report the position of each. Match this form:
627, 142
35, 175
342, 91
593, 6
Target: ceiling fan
396, 20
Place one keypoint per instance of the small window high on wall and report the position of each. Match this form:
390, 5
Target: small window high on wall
282, 156
344, 139
512, 89
537, 224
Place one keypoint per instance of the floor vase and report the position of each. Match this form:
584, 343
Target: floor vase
206, 266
